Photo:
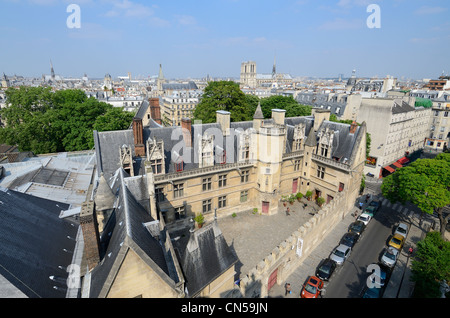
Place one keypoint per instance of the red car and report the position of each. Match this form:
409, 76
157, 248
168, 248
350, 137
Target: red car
312, 288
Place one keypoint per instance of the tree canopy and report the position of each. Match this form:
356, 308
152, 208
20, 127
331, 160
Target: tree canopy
424, 183
431, 265
39, 120
288, 103
224, 95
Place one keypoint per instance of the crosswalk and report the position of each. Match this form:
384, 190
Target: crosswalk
405, 210
397, 207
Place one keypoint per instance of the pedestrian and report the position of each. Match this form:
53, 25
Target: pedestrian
410, 251
367, 198
287, 288
360, 205
287, 211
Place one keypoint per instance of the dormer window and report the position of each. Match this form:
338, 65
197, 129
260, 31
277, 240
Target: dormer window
179, 166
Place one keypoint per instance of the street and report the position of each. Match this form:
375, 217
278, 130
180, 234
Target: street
349, 280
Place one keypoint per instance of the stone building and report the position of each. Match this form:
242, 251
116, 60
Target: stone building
226, 167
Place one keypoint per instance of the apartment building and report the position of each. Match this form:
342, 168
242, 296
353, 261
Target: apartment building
397, 129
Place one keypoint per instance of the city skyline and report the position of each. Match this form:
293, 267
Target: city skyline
214, 37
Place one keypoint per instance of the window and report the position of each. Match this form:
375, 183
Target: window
207, 206
296, 165
244, 195
179, 166
160, 197
178, 190
244, 176
156, 166
206, 184
180, 212
245, 152
222, 202
223, 157
222, 181
297, 144
324, 150
320, 172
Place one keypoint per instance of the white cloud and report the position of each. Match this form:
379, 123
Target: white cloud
429, 10
186, 20
342, 24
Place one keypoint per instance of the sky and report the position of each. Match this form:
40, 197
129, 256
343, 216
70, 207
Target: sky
196, 38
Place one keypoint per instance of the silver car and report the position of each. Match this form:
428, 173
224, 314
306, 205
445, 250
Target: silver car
340, 254
402, 229
389, 257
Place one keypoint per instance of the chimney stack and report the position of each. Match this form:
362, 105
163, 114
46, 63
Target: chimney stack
353, 127
187, 131
138, 134
89, 226
223, 119
155, 110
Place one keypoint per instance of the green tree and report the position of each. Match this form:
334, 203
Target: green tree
223, 95
41, 121
424, 183
431, 265
288, 103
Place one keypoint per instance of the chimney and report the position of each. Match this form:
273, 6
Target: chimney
155, 110
278, 116
223, 119
138, 134
187, 131
89, 226
353, 127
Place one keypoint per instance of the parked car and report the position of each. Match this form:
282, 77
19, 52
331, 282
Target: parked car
340, 254
357, 227
371, 210
365, 218
389, 257
373, 292
349, 239
397, 241
376, 204
312, 288
402, 229
325, 269
378, 277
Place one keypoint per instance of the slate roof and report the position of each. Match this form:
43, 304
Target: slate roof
206, 257
402, 108
34, 245
108, 143
125, 230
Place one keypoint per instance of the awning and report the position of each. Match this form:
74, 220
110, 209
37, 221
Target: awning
388, 168
403, 160
398, 165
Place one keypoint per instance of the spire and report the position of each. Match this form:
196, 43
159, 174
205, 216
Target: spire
274, 68
258, 113
52, 71
160, 76
311, 141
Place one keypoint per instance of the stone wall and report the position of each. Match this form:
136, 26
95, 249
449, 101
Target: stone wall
289, 254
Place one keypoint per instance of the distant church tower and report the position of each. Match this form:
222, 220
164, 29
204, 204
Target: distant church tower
107, 82
160, 81
248, 74
5, 81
